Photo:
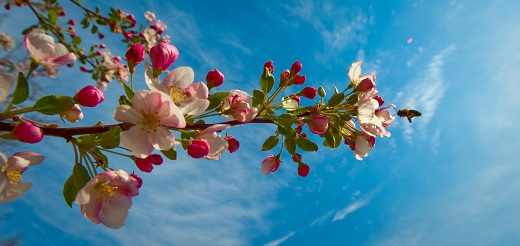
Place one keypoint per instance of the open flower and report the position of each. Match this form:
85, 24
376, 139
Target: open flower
192, 98
237, 106
42, 48
217, 144
107, 197
152, 111
11, 170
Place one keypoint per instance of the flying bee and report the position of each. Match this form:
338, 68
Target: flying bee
408, 113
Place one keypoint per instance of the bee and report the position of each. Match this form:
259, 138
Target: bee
408, 113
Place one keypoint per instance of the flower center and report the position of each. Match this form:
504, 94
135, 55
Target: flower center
177, 93
149, 121
105, 191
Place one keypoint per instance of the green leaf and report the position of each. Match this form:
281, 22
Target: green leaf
336, 99
80, 176
69, 191
129, 92
170, 154
286, 119
306, 144
53, 104
329, 138
287, 131
22, 89
110, 139
266, 81
337, 140
270, 143
94, 29
216, 98
76, 41
53, 16
258, 98
290, 145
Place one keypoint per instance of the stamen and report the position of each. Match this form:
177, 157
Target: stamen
176, 93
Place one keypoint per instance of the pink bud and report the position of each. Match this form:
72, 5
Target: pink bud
71, 29
135, 53
144, 164
90, 96
128, 35
233, 144
102, 46
73, 35
198, 148
101, 36
163, 55
269, 65
73, 115
295, 98
318, 124
296, 157
284, 76
72, 22
299, 79
303, 170
83, 69
28, 132
296, 67
379, 99
7, 6
139, 180
214, 78
309, 92
366, 84
270, 164
155, 159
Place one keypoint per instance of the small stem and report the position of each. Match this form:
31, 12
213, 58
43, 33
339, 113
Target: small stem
113, 152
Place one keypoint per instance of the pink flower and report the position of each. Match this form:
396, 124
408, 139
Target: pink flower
163, 55
90, 96
28, 132
354, 72
214, 78
135, 53
42, 48
308, 92
11, 170
198, 148
237, 106
192, 98
318, 124
233, 144
296, 67
270, 164
73, 115
303, 169
299, 79
149, 16
217, 144
363, 145
269, 65
152, 112
107, 197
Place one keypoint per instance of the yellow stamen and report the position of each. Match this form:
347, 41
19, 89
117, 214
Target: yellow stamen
150, 121
105, 191
176, 93
14, 176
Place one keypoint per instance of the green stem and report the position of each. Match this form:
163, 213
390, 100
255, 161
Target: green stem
113, 152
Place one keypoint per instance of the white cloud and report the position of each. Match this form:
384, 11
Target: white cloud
280, 240
355, 205
233, 41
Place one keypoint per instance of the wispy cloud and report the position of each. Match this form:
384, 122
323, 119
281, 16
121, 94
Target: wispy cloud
356, 204
280, 240
233, 41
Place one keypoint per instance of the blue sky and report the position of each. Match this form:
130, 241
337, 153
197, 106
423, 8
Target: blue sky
451, 178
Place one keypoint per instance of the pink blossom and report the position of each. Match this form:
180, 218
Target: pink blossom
198, 148
270, 164
28, 132
107, 197
90, 96
152, 112
42, 48
363, 145
318, 124
238, 107
308, 92
163, 55
354, 72
192, 98
214, 78
296, 67
217, 144
303, 169
269, 65
299, 79
73, 115
233, 144
11, 170
149, 16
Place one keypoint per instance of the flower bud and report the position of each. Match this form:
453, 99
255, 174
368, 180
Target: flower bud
198, 148
321, 91
269, 65
270, 164
303, 170
379, 99
73, 115
284, 76
299, 79
295, 98
72, 22
28, 132
144, 164
139, 180
155, 159
135, 53
163, 55
318, 124
90, 96
214, 78
308, 92
233, 144
296, 67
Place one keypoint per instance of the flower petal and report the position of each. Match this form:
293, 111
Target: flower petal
136, 139
6, 83
161, 138
153, 83
39, 44
181, 77
11, 193
62, 60
15, 163
125, 113
32, 157
217, 145
195, 107
113, 214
